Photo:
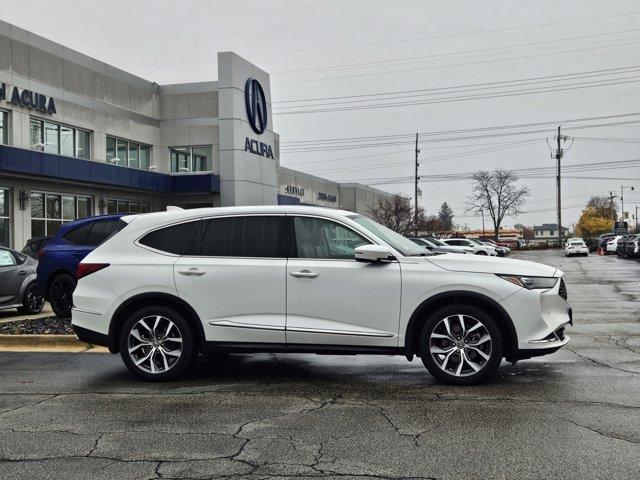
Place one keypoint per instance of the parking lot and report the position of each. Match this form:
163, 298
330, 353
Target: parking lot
574, 414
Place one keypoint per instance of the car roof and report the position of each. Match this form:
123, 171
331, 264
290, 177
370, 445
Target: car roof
176, 215
65, 228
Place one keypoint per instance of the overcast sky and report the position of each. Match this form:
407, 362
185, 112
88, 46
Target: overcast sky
413, 52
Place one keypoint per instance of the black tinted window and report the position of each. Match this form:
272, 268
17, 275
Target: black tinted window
78, 236
100, 231
258, 236
181, 239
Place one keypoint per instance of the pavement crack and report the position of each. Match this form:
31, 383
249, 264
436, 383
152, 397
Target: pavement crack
602, 364
602, 434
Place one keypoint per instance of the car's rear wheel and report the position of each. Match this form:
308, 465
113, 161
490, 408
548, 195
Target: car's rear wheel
481, 252
32, 300
156, 343
461, 345
61, 295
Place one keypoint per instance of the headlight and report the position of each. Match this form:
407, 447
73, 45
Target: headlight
531, 282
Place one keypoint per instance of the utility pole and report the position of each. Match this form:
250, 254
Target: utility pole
622, 187
636, 218
613, 213
482, 213
415, 214
559, 154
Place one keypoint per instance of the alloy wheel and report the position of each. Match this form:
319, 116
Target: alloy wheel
34, 302
155, 344
460, 345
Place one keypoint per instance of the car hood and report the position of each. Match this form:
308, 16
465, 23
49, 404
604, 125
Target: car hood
484, 264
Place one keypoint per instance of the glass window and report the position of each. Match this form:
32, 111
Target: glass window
102, 230
4, 217
245, 237
400, 243
78, 236
112, 206
69, 208
49, 211
121, 153
145, 157
134, 158
6, 258
319, 238
111, 148
82, 144
35, 132
67, 141
145, 208
179, 239
84, 207
51, 137
4, 130
125, 206
191, 159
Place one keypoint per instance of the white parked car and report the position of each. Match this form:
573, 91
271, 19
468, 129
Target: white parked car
478, 247
612, 245
173, 284
576, 248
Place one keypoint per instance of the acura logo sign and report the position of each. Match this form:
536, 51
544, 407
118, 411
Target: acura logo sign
256, 103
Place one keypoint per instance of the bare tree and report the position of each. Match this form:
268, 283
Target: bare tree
603, 206
498, 193
394, 212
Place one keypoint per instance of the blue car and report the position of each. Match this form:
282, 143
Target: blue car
59, 259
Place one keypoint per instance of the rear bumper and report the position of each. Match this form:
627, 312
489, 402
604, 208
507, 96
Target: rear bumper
89, 336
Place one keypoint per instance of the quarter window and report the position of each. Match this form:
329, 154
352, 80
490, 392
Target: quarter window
319, 238
181, 239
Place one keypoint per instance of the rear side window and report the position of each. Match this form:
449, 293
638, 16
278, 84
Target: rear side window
252, 236
93, 234
181, 239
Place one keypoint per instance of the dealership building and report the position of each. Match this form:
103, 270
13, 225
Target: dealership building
79, 137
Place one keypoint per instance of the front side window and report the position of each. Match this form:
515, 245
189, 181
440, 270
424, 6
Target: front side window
51, 137
5, 218
320, 238
191, 159
7, 259
402, 244
49, 211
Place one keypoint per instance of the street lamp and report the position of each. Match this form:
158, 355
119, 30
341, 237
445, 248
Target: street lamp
482, 213
622, 198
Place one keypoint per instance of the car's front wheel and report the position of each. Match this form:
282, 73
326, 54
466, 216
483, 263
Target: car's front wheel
32, 300
481, 252
461, 345
156, 343
61, 295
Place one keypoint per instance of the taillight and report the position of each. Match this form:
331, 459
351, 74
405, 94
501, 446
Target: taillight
40, 253
85, 269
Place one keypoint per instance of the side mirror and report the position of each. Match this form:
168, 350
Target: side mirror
372, 253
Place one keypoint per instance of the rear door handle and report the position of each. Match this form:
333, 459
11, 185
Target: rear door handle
192, 272
304, 274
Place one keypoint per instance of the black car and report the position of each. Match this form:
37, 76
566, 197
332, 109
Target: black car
631, 246
622, 243
34, 245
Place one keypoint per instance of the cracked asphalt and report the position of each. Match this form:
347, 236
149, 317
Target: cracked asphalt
573, 414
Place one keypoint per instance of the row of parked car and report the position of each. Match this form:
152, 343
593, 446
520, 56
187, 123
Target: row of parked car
45, 269
621, 245
472, 246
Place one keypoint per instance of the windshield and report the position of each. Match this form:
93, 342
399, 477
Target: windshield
402, 244
475, 240
435, 242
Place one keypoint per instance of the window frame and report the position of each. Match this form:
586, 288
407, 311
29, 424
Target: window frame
62, 220
191, 160
7, 191
74, 131
118, 141
129, 203
4, 138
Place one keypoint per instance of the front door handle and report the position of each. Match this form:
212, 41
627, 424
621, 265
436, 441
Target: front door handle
304, 274
192, 272
22, 272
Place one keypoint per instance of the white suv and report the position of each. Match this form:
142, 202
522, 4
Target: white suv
477, 247
173, 284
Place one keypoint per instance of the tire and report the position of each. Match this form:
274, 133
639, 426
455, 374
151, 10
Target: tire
61, 295
433, 339
139, 343
32, 301
481, 253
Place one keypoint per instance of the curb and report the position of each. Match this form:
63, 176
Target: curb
42, 342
